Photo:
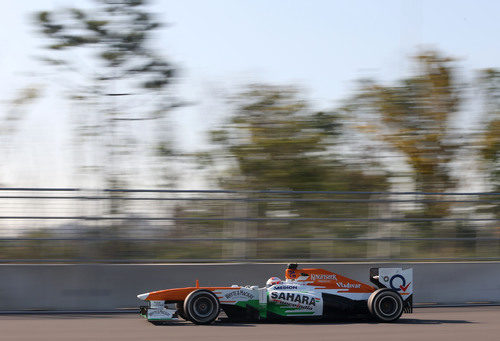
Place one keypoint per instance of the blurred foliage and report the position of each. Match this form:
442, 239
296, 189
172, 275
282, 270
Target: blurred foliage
275, 141
117, 76
489, 140
489, 83
414, 118
17, 108
271, 141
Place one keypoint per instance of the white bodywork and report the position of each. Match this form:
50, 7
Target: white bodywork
158, 312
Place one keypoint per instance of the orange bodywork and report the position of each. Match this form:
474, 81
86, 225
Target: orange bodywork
320, 278
317, 278
179, 294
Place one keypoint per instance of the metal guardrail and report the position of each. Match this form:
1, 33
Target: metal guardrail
244, 219
73, 224
123, 190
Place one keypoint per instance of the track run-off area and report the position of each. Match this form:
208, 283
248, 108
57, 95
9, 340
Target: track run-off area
467, 323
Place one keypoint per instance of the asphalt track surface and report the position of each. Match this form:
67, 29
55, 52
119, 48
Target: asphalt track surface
471, 323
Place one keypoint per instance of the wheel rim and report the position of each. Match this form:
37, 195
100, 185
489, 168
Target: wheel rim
388, 305
203, 306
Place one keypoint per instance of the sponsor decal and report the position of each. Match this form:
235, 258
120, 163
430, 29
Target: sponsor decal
294, 299
285, 287
240, 293
323, 277
348, 285
403, 286
160, 314
292, 274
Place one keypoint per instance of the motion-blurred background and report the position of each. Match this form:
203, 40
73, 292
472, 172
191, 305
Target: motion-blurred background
137, 131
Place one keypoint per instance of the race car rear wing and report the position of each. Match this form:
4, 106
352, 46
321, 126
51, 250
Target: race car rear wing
397, 279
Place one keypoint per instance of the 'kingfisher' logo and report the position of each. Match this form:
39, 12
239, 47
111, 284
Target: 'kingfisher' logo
323, 277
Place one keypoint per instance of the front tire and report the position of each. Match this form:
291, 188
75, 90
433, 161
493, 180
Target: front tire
385, 305
201, 307
180, 310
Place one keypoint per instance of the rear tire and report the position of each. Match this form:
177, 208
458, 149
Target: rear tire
385, 305
201, 307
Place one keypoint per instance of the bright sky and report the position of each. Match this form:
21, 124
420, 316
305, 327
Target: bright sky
320, 45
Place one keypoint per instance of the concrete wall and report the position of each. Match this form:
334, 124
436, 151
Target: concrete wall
104, 287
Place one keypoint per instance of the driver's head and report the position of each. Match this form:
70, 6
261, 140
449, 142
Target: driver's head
272, 281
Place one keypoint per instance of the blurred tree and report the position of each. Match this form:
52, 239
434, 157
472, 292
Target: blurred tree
118, 82
10, 121
274, 141
414, 119
119, 87
17, 108
489, 144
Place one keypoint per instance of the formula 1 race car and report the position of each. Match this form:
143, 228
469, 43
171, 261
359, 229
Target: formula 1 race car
306, 293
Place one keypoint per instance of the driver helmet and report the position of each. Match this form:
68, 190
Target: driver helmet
272, 281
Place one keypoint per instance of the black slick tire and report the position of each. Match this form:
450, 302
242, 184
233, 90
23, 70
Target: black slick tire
201, 307
385, 305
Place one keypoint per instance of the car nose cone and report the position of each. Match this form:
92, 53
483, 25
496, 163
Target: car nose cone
143, 296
